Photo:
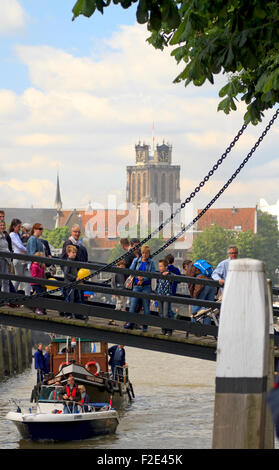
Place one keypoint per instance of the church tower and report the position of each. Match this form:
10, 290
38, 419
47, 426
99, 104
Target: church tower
153, 179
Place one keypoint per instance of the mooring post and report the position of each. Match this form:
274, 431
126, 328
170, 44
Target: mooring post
242, 358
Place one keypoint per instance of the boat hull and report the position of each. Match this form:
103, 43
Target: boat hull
64, 427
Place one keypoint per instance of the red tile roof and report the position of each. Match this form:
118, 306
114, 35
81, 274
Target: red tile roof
243, 219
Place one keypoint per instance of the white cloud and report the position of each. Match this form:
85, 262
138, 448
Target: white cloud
88, 114
39, 140
12, 18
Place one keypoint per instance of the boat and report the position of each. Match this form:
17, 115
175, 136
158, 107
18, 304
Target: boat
87, 362
50, 421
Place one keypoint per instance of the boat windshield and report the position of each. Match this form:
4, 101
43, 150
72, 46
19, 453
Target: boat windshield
50, 393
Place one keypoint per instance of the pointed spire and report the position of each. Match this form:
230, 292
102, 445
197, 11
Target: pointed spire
58, 200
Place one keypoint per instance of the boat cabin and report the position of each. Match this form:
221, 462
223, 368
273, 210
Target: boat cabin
90, 354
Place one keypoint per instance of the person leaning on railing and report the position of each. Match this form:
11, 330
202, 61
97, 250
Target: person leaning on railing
141, 284
198, 291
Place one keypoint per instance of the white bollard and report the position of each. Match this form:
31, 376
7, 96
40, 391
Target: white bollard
242, 358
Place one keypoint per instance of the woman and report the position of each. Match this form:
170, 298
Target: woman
34, 243
4, 262
141, 284
18, 247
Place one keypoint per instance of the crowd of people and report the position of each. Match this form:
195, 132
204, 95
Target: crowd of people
140, 260
27, 239
22, 238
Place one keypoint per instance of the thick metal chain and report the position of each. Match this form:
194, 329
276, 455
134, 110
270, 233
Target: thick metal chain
183, 204
230, 180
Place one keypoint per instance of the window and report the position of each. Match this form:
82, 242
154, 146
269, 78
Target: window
90, 347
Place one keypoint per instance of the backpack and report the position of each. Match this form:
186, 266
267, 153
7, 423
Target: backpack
205, 268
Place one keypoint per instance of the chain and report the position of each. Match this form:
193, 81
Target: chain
183, 204
230, 180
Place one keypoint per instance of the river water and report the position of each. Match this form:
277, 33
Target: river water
173, 406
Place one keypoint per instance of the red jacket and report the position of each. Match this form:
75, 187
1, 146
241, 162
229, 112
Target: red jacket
36, 270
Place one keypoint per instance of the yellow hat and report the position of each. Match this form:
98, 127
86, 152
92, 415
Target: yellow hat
51, 287
83, 273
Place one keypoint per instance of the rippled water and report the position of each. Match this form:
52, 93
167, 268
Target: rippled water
173, 407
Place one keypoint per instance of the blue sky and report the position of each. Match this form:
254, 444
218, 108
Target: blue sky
79, 95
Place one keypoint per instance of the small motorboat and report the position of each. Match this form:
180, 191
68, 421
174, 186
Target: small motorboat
87, 361
60, 421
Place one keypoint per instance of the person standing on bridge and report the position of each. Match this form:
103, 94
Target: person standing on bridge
198, 291
4, 262
34, 243
74, 239
141, 284
18, 248
220, 272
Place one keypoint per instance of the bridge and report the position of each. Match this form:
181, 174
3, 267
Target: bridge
188, 339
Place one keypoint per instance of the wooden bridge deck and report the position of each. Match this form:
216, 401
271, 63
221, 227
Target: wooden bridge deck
98, 328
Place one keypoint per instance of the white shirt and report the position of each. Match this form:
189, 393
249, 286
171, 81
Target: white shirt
17, 244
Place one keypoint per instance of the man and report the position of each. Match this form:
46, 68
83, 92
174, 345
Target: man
125, 244
47, 359
71, 394
221, 271
25, 232
82, 254
117, 360
39, 363
174, 270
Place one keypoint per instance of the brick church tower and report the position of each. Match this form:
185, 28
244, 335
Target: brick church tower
153, 179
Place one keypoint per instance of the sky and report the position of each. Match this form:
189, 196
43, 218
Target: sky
77, 96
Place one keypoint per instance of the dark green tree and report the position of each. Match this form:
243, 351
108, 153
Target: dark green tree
238, 38
57, 236
212, 244
267, 248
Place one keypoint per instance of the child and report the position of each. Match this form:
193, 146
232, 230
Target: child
118, 281
37, 269
174, 270
70, 275
164, 287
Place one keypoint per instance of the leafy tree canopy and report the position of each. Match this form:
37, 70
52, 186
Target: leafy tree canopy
212, 244
237, 37
57, 236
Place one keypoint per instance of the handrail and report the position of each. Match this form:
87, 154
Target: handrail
181, 278
92, 265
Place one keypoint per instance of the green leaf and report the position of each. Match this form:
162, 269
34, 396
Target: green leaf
84, 7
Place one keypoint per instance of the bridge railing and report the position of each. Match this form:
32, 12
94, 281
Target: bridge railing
102, 287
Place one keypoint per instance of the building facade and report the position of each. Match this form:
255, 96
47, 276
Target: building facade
153, 179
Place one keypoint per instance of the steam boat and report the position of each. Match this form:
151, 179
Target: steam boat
87, 362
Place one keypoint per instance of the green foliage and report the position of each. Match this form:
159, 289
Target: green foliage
212, 244
57, 236
233, 37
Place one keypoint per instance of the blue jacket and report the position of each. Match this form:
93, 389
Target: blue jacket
149, 267
117, 356
174, 270
47, 362
39, 360
34, 244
